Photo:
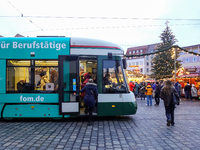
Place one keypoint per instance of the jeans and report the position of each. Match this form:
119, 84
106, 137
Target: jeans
142, 95
179, 93
149, 97
169, 111
187, 94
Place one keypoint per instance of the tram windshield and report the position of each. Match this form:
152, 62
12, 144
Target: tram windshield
114, 80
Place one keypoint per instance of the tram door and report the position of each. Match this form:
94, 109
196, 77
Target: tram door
69, 84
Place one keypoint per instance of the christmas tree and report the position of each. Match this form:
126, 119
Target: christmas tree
163, 62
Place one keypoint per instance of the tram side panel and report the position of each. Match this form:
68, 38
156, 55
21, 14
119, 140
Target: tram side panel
2, 82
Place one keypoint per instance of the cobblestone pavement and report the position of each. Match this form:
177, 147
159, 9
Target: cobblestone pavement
145, 130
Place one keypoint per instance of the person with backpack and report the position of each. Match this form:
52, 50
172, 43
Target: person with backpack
178, 88
91, 92
166, 95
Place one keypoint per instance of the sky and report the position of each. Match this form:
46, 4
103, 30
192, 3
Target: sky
128, 23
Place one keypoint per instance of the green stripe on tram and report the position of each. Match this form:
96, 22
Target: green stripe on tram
116, 108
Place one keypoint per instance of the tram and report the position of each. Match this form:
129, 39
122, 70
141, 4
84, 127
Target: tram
41, 77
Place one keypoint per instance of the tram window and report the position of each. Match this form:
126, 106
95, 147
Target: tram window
18, 62
113, 78
18, 79
21, 76
46, 79
46, 76
46, 63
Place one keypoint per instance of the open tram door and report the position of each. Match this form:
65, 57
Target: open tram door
69, 84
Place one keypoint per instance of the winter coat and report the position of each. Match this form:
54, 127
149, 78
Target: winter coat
142, 90
136, 88
158, 89
43, 82
193, 91
89, 98
131, 86
20, 86
149, 90
154, 86
187, 88
167, 98
177, 86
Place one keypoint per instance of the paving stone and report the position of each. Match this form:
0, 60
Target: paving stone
145, 130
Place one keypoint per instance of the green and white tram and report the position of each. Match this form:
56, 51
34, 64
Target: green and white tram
61, 61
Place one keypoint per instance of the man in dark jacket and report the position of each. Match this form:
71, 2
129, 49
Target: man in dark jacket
157, 94
187, 90
91, 93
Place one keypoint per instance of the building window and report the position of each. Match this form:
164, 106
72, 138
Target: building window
147, 57
181, 53
137, 51
195, 50
194, 59
141, 70
129, 52
133, 52
187, 60
147, 69
25, 76
141, 51
147, 64
152, 63
137, 63
152, 51
133, 63
141, 62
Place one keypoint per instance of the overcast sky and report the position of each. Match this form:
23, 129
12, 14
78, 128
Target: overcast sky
128, 23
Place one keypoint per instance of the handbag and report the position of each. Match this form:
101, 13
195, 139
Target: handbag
175, 99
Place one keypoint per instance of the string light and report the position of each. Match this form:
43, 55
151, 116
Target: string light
164, 50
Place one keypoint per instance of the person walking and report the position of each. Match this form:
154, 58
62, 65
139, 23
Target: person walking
157, 94
187, 90
91, 92
148, 93
154, 89
166, 96
142, 91
137, 87
131, 86
193, 92
178, 88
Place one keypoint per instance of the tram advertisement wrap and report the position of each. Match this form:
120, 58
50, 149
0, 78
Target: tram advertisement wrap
31, 99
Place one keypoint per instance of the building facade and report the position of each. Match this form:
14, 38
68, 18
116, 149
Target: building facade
189, 62
143, 63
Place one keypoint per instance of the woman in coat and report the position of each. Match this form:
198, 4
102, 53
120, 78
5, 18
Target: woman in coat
91, 92
166, 96
193, 92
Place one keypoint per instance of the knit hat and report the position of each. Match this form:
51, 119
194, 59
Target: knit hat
90, 80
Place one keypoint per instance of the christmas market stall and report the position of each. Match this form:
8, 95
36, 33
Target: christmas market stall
189, 75
135, 75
